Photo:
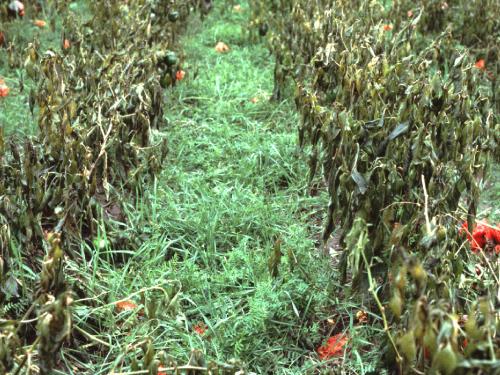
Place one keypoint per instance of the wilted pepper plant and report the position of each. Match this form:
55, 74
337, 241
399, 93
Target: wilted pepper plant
403, 124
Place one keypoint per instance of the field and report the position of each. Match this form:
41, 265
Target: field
172, 199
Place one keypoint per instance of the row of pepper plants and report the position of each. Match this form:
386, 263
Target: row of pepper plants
400, 112
97, 99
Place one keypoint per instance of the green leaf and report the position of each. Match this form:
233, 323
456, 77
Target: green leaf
360, 181
11, 287
458, 60
399, 130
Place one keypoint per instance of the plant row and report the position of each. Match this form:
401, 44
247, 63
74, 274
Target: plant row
97, 99
399, 108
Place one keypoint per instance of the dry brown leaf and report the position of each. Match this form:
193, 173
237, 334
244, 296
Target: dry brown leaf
122, 306
222, 47
40, 23
362, 317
